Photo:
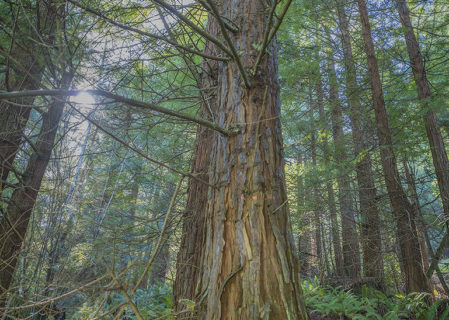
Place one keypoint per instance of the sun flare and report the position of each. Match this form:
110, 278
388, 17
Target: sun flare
83, 98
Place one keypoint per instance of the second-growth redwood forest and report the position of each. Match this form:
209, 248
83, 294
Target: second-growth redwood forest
224, 159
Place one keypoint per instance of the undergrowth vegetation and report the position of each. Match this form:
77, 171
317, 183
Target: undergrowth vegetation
368, 303
154, 302
323, 302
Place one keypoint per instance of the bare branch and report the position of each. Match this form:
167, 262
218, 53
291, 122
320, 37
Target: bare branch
118, 98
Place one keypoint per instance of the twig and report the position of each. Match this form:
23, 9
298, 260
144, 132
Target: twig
126, 145
437, 256
194, 27
144, 33
125, 294
158, 245
271, 35
234, 53
226, 280
65, 295
265, 38
283, 204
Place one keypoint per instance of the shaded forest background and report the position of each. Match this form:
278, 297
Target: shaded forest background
106, 108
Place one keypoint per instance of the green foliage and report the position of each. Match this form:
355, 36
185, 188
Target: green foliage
326, 301
444, 265
371, 304
153, 302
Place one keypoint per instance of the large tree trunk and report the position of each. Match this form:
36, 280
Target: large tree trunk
13, 225
370, 224
415, 280
436, 142
248, 266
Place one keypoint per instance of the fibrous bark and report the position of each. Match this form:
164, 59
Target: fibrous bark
248, 267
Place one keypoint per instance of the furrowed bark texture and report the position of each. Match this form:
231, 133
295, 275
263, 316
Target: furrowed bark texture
248, 269
13, 225
415, 279
370, 224
193, 228
436, 142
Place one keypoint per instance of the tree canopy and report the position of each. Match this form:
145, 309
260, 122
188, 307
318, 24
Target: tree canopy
224, 159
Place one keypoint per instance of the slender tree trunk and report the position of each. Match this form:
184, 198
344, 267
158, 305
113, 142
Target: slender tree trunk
59, 249
316, 202
305, 237
370, 224
420, 222
24, 72
160, 266
351, 255
248, 266
415, 279
436, 142
14, 223
13, 117
339, 271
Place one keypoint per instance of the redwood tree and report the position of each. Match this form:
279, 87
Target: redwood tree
248, 266
351, 255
